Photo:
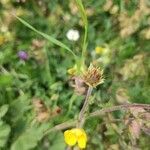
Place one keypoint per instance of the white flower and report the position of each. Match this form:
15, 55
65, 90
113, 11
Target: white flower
73, 35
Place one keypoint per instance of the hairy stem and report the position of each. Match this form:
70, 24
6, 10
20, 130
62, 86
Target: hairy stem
120, 107
101, 112
81, 118
61, 126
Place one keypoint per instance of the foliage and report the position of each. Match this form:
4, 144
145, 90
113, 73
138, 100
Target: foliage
38, 94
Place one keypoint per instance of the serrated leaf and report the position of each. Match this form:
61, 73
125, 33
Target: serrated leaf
4, 133
3, 110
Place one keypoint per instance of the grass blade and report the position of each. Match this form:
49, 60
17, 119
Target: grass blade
84, 18
48, 37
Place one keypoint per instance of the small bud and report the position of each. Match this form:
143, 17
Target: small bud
23, 55
93, 76
99, 50
72, 71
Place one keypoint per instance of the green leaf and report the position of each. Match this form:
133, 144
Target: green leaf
4, 133
18, 107
5, 80
26, 141
82, 11
58, 141
48, 37
30, 138
3, 110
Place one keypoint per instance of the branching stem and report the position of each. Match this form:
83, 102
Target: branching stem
101, 112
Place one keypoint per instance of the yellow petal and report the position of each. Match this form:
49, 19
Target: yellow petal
81, 137
77, 131
72, 71
82, 141
99, 50
70, 138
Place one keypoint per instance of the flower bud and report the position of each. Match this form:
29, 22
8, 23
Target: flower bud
23, 55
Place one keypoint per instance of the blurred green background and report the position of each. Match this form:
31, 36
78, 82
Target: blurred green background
118, 41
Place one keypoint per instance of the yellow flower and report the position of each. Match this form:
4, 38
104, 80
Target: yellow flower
99, 50
73, 70
74, 136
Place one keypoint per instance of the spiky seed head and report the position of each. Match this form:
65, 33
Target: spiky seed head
93, 76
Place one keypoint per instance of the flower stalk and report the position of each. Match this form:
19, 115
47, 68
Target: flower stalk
81, 118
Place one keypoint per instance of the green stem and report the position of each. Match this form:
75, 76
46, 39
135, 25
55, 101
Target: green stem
84, 46
73, 98
84, 18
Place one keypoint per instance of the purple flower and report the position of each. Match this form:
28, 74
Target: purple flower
23, 55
